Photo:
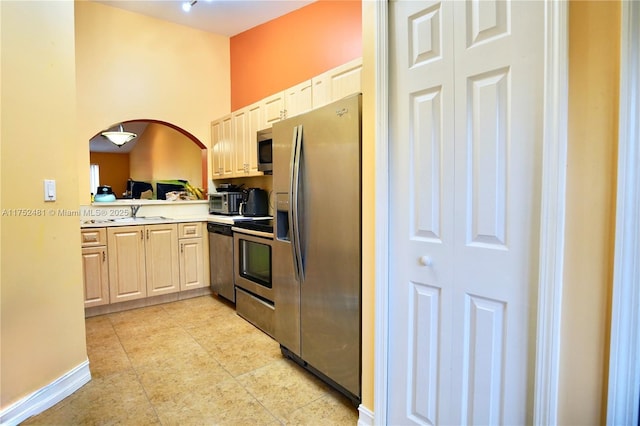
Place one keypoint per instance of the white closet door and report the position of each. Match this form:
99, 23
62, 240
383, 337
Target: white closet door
466, 131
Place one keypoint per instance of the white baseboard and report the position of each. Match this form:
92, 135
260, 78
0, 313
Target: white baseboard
46, 397
366, 416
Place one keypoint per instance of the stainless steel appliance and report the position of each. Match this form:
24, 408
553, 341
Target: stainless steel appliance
255, 203
317, 241
227, 203
220, 254
265, 156
253, 277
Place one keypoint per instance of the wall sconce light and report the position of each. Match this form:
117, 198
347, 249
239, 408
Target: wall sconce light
119, 137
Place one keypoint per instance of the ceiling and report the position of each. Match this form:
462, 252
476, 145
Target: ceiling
215, 16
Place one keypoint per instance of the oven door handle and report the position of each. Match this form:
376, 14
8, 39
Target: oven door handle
294, 211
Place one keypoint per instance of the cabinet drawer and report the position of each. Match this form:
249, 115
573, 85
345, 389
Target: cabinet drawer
93, 237
190, 230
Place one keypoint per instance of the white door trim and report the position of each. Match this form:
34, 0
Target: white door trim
624, 364
381, 381
552, 214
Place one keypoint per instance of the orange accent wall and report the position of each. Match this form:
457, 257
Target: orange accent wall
292, 48
114, 170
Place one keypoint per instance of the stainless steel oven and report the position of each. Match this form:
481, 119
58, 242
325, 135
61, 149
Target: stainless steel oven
253, 277
252, 262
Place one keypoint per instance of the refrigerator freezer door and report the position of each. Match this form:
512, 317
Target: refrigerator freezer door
331, 239
324, 328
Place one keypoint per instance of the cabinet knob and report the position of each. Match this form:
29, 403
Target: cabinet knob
425, 261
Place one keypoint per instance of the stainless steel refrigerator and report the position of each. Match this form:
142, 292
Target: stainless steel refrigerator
317, 244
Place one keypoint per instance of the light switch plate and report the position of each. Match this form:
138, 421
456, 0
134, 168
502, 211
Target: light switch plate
49, 190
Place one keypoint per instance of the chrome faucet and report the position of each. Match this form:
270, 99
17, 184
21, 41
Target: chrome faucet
134, 210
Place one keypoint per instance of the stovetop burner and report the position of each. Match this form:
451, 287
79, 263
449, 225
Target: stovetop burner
264, 225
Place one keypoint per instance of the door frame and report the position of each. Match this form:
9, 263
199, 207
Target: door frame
623, 398
552, 215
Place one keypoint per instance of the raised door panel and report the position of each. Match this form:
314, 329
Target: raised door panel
228, 146
273, 109
127, 273
162, 259
240, 142
217, 149
337, 83
96, 276
254, 123
192, 271
298, 99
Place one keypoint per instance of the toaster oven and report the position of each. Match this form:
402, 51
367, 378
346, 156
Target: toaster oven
227, 203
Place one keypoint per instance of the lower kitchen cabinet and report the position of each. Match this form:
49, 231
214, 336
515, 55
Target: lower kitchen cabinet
127, 273
143, 261
193, 255
161, 256
95, 269
124, 263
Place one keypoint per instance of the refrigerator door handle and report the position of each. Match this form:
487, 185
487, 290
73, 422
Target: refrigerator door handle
295, 190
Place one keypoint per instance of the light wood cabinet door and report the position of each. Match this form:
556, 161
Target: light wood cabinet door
161, 259
126, 254
337, 83
222, 147
255, 122
273, 109
192, 271
96, 276
298, 99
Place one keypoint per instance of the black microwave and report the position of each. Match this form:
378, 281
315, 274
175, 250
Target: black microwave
265, 151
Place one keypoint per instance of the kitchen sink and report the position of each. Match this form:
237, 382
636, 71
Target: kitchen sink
140, 219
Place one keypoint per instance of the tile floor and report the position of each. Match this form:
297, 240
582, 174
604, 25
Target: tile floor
193, 362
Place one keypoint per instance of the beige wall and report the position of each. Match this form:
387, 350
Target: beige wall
594, 33
41, 306
130, 66
163, 153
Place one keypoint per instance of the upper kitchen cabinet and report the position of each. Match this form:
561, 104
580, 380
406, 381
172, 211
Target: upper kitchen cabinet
246, 123
292, 101
337, 83
222, 147
298, 99
233, 137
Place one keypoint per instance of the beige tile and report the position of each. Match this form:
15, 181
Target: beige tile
175, 364
199, 315
106, 357
141, 322
189, 373
283, 387
333, 409
117, 399
224, 403
242, 354
159, 345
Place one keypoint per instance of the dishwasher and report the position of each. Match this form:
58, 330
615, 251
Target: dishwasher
221, 260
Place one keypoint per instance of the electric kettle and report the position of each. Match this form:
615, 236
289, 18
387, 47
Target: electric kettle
104, 194
255, 203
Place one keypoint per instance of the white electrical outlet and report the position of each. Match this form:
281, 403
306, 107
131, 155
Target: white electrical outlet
49, 190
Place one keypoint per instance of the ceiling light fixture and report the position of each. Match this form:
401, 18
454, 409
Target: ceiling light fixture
119, 137
187, 5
